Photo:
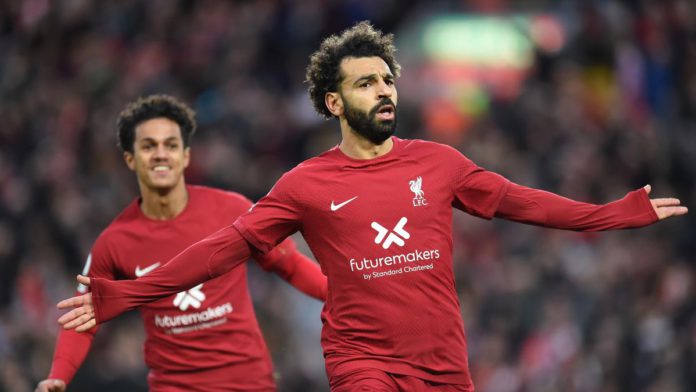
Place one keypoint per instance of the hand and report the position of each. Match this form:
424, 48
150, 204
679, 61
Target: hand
50, 385
664, 208
81, 318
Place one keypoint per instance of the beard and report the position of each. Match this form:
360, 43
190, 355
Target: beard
367, 125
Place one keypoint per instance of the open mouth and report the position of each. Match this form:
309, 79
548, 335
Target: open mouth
386, 112
161, 169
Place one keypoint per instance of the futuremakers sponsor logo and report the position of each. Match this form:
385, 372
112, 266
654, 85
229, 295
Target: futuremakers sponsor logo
194, 320
400, 262
412, 257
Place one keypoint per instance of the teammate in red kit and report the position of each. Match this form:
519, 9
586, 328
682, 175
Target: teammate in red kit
205, 337
377, 212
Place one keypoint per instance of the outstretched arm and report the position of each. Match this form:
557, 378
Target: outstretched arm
204, 260
546, 209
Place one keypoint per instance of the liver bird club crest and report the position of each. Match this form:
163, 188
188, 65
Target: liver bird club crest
417, 189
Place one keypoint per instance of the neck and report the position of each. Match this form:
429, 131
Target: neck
163, 204
357, 147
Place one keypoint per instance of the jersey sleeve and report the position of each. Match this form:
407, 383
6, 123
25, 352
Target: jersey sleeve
71, 350
295, 268
476, 191
206, 259
277, 257
100, 263
273, 218
72, 347
537, 207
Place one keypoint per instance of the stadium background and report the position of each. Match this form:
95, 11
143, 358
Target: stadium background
589, 99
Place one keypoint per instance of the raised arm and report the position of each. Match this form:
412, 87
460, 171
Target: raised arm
547, 209
204, 260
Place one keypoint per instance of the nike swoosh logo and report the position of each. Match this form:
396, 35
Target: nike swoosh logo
142, 272
335, 207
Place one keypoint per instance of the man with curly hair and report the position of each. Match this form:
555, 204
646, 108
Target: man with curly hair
204, 337
376, 210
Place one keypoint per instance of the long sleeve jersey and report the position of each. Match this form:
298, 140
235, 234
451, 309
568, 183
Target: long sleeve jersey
381, 231
206, 335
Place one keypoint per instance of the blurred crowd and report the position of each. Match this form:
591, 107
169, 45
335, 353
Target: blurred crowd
544, 310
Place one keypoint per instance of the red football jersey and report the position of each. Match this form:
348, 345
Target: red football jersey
381, 230
203, 337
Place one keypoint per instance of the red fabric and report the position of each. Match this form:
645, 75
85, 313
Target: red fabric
546, 209
307, 277
381, 231
390, 306
296, 268
373, 380
206, 259
227, 377
71, 350
205, 334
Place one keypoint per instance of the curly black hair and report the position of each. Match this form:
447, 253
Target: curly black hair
361, 40
154, 106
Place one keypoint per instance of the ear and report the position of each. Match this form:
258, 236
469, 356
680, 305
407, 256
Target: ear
129, 158
334, 102
187, 156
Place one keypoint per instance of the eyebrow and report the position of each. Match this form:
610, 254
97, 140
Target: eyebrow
151, 140
373, 76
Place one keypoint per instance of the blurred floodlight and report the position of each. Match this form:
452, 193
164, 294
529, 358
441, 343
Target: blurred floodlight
479, 40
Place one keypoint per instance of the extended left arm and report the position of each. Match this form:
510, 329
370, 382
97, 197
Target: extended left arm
546, 209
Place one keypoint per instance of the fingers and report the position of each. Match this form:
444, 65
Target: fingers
58, 386
77, 320
647, 188
71, 315
87, 326
71, 302
75, 302
83, 280
50, 385
78, 323
81, 318
670, 201
668, 207
76, 317
666, 212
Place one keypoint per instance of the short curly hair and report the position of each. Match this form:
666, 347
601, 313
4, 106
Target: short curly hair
361, 40
154, 106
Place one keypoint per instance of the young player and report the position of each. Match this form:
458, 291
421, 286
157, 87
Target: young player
205, 337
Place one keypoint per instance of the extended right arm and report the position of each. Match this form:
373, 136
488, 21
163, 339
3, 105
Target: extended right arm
270, 221
204, 260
